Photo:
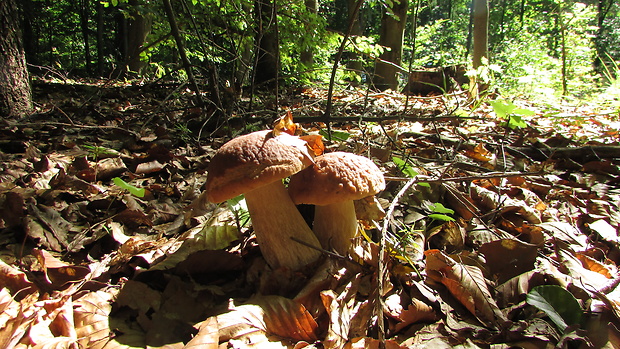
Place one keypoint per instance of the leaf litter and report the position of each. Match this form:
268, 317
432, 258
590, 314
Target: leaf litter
108, 240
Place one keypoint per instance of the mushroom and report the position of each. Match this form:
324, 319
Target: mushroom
332, 184
254, 165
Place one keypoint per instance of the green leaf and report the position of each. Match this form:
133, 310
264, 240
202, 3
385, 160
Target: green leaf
441, 217
404, 167
502, 108
559, 304
440, 208
337, 135
139, 192
515, 122
524, 112
238, 206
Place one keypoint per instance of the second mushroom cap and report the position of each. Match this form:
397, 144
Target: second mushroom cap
336, 177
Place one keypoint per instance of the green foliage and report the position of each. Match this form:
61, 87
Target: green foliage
336, 135
404, 167
239, 208
509, 111
139, 192
441, 213
558, 303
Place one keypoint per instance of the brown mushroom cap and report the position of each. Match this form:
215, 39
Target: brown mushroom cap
253, 160
336, 177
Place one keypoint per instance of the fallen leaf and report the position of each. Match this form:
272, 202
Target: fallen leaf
467, 284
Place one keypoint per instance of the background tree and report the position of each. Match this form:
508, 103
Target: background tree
392, 34
15, 91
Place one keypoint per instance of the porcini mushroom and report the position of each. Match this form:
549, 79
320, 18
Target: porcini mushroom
332, 184
254, 165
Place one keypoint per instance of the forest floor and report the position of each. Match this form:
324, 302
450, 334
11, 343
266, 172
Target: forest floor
498, 226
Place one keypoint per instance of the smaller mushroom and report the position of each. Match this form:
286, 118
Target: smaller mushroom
254, 165
332, 184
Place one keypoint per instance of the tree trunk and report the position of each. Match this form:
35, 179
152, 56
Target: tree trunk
354, 62
15, 91
84, 14
481, 31
138, 27
266, 69
481, 42
392, 34
307, 55
100, 49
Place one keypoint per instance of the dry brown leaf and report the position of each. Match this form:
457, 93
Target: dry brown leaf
467, 284
315, 143
139, 296
286, 125
14, 280
207, 336
54, 318
264, 317
91, 317
371, 343
57, 272
341, 308
15, 318
149, 167
507, 258
416, 311
480, 153
592, 264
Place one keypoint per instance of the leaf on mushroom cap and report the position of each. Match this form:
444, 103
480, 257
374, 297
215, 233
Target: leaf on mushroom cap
336, 177
253, 160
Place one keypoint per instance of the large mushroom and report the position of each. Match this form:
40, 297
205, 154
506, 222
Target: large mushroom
332, 184
254, 165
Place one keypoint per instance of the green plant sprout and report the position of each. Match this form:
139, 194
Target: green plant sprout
509, 111
95, 151
337, 135
441, 212
407, 169
240, 210
139, 192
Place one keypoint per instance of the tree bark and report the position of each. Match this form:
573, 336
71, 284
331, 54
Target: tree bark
15, 90
266, 69
392, 34
138, 27
354, 62
181, 47
481, 31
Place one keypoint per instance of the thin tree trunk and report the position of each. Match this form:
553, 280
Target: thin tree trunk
354, 62
100, 53
481, 42
481, 31
181, 47
84, 12
15, 91
392, 35
266, 69
138, 27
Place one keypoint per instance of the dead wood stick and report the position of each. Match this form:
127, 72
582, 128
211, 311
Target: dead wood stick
586, 152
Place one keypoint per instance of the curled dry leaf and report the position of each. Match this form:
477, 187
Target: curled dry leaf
57, 272
262, 318
407, 314
14, 280
467, 284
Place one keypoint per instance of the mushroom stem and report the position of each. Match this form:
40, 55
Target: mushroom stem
335, 225
276, 220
